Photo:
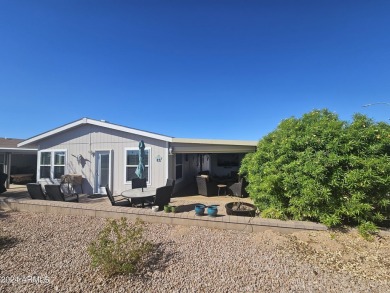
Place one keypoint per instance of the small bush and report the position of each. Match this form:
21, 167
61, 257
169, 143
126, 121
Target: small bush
367, 230
119, 248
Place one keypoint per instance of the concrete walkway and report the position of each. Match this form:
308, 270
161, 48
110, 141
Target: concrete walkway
17, 198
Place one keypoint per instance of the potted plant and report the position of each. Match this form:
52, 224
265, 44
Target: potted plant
167, 208
240, 209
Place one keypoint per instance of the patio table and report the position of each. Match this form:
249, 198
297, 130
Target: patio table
138, 193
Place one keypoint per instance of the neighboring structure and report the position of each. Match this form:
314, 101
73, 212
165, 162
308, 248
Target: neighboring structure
105, 153
16, 161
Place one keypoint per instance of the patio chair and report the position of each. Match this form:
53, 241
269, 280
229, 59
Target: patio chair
3, 178
117, 200
35, 191
171, 182
138, 183
162, 197
206, 187
54, 192
238, 189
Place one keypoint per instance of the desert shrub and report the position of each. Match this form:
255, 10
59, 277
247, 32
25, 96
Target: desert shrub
320, 168
119, 248
367, 230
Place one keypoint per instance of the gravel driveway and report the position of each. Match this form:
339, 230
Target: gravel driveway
47, 253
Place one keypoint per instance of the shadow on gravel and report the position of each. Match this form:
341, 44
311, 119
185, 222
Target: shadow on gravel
4, 214
158, 260
7, 242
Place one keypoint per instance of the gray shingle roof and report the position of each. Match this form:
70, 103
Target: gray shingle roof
9, 142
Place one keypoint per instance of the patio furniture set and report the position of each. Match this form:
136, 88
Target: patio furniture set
135, 197
138, 197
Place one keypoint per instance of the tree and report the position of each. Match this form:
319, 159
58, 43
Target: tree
322, 169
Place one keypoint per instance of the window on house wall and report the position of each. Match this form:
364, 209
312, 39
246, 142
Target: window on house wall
179, 166
51, 164
132, 160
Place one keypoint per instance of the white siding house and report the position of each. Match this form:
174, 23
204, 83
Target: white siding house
105, 153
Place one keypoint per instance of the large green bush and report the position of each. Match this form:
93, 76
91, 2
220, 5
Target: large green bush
323, 169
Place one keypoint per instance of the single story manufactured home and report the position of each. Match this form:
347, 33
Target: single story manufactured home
106, 153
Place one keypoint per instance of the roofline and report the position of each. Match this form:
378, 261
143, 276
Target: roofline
215, 141
105, 124
18, 149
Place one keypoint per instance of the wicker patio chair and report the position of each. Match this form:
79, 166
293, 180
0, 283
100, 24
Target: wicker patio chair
3, 178
238, 188
117, 200
206, 187
35, 191
54, 192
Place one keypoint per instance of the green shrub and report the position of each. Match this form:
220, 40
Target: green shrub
273, 213
367, 230
323, 169
119, 248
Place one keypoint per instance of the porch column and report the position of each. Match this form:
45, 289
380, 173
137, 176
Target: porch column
8, 167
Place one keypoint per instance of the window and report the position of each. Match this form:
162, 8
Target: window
132, 160
51, 164
179, 166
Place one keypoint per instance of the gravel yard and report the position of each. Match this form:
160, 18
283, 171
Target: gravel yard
52, 249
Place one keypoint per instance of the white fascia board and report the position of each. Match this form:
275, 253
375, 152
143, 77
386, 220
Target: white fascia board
129, 130
97, 123
52, 132
215, 141
18, 149
212, 149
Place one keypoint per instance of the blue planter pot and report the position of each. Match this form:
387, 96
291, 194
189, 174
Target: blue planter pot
212, 211
199, 209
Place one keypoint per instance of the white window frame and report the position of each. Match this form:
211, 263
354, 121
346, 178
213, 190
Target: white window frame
52, 165
182, 167
149, 165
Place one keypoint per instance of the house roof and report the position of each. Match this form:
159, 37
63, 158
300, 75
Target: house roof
101, 123
113, 126
11, 145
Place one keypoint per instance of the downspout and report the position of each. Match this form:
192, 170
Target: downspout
168, 163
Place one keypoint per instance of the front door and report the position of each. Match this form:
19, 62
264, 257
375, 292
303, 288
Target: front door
103, 171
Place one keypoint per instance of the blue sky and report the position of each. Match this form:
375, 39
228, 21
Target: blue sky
196, 69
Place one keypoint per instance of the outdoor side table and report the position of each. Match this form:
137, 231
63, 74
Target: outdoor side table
221, 186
